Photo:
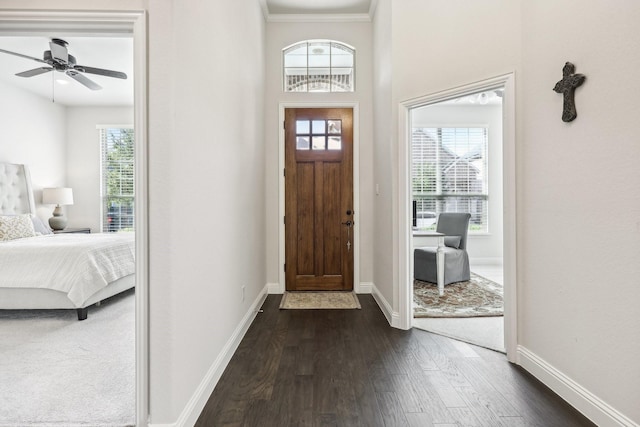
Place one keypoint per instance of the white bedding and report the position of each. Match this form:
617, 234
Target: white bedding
76, 264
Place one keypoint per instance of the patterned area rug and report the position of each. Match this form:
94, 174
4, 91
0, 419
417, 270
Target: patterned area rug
309, 300
478, 297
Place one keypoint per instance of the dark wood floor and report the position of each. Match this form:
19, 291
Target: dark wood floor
350, 368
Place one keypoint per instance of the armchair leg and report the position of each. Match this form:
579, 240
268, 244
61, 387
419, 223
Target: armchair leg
440, 269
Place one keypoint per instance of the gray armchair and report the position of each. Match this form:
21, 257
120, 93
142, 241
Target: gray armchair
456, 259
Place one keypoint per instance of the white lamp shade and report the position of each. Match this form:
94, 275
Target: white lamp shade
57, 196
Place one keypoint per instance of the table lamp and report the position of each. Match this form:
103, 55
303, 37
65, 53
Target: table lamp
57, 196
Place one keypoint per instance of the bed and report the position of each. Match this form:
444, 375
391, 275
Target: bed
57, 271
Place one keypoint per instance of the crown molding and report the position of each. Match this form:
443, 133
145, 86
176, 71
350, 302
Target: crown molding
265, 9
372, 9
308, 17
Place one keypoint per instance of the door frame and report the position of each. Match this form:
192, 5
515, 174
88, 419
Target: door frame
355, 106
96, 23
509, 201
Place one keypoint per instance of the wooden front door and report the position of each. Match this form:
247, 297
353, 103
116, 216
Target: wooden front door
319, 199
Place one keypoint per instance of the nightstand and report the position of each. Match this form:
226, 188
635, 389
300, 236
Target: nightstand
73, 230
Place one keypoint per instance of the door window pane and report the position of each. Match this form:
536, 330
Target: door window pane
302, 126
319, 127
318, 142
335, 126
302, 142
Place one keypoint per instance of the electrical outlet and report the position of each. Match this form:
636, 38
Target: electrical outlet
242, 293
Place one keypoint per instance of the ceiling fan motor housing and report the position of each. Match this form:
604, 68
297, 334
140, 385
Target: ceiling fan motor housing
58, 65
60, 42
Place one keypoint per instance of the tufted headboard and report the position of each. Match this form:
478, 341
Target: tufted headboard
16, 193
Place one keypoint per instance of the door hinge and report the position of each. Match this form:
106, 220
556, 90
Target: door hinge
285, 268
284, 125
284, 220
284, 172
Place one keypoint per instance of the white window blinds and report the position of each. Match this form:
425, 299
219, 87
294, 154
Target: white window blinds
118, 190
449, 174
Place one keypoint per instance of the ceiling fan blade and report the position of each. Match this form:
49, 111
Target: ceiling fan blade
34, 72
83, 80
101, 72
22, 56
59, 50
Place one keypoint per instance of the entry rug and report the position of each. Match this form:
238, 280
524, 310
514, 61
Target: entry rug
310, 300
479, 297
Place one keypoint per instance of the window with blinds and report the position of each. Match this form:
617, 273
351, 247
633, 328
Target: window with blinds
117, 166
319, 66
449, 174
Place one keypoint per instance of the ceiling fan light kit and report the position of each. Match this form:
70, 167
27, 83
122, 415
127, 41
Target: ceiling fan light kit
59, 59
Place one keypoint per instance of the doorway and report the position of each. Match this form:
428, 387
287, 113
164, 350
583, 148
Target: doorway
472, 94
319, 206
456, 166
93, 24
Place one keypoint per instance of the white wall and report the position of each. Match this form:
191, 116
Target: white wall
83, 160
579, 204
482, 247
34, 133
206, 160
385, 258
577, 208
279, 36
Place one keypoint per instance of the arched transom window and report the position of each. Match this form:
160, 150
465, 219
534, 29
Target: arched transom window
319, 66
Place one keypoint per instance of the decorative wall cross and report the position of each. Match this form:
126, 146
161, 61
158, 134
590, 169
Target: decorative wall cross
567, 87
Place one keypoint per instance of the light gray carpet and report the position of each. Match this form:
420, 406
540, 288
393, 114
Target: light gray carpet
57, 371
487, 332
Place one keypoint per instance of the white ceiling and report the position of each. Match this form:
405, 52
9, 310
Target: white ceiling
329, 7
98, 52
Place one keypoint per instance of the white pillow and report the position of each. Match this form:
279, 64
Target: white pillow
16, 227
40, 227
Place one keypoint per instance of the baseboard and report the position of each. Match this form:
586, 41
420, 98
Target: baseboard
393, 317
274, 288
591, 406
365, 288
194, 406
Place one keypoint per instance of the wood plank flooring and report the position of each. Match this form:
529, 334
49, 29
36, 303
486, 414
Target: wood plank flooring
350, 368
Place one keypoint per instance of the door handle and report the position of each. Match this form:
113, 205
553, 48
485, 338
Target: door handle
349, 224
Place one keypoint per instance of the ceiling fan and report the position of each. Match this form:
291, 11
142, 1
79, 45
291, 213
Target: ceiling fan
59, 59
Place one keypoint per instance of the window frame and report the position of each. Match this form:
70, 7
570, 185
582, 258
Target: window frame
439, 194
331, 67
103, 132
